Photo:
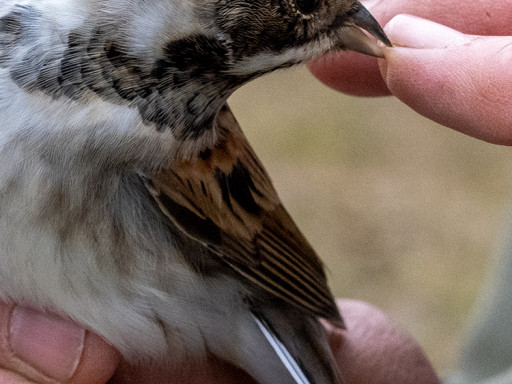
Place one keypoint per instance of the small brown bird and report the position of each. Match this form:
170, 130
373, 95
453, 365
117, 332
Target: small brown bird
129, 197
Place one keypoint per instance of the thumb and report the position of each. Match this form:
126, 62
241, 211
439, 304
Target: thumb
461, 81
43, 348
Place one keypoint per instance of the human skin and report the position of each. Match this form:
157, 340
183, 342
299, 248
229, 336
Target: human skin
39, 348
460, 80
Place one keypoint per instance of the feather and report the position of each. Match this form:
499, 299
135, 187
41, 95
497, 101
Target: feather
281, 351
225, 200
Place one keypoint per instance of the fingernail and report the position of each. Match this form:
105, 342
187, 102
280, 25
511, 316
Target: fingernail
47, 343
414, 32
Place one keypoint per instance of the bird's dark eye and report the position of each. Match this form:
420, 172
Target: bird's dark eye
307, 6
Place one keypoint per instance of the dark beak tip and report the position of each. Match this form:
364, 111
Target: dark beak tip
364, 20
384, 39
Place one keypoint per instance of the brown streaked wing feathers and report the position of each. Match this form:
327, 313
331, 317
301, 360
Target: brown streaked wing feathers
225, 200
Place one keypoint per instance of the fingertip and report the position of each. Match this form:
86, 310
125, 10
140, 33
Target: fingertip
372, 350
409, 31
350, 73
456, 85
415, 32
383, 66
355, 311
98, 362
45, 348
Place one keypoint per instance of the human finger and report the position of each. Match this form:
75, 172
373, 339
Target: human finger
359, 75
46, 349
460, 81
374, 351
477, 17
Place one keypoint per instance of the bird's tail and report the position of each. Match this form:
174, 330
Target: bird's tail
300, 343
305, 355
276, 346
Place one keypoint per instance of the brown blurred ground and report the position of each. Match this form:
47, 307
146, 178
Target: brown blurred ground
407, 215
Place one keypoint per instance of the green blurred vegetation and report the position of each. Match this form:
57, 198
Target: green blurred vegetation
406, 214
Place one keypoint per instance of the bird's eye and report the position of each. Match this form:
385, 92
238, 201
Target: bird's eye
307, 6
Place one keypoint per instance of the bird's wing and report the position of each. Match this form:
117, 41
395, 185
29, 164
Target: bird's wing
225, 200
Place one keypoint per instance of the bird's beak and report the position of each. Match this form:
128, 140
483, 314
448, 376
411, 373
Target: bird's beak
353, 38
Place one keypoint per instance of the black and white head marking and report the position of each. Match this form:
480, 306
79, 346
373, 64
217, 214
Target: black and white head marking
185, 77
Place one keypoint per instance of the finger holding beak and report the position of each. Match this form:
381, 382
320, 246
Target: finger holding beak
353, 37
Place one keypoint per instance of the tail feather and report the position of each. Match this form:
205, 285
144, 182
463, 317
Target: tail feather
301, 345
281, 351
274, 344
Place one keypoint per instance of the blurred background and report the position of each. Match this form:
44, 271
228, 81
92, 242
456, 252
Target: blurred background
407, 215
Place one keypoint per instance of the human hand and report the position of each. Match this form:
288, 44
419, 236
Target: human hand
46, 349
39, 348
462, 81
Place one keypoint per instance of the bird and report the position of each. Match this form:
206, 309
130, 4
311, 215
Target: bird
130, 199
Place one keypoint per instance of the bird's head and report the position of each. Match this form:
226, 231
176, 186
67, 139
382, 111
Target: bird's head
263, 35
177, 61
242, 38
200, 51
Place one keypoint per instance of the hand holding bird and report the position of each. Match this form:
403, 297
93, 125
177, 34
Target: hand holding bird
57, 349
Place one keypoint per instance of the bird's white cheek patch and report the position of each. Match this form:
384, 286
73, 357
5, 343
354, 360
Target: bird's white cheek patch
267, 61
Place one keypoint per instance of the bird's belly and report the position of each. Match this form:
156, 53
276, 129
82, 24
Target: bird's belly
144, 299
